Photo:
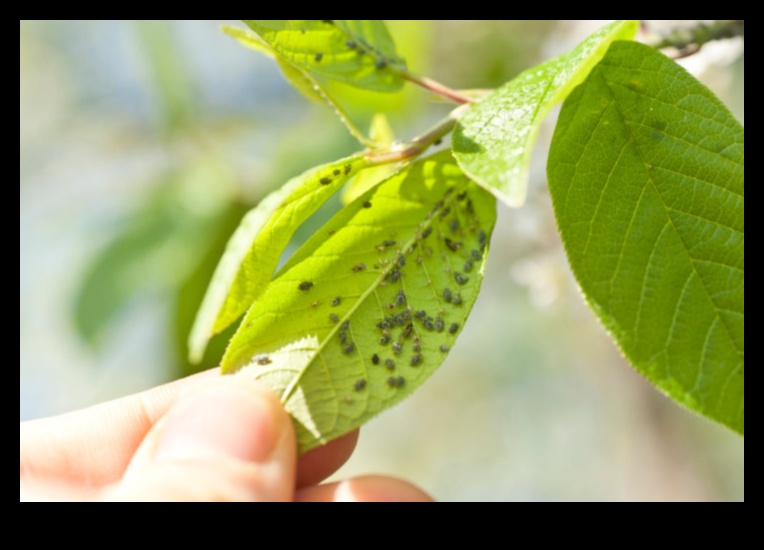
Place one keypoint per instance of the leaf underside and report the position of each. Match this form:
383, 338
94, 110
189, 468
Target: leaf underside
359, 53
253, 251
369, 307
494, 140
646, 172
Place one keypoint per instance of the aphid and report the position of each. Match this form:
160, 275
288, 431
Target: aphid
334, 318
375, 359
412, 248
459, 278
336, 301
461, 196
467, 266
384, 340
457, 301
400, 298
389, 306
359, 384
452, 246
405, 314
348, 168
389, 364
391, 381
406, 332
305, 285
416, 359
444, 348
380, 63
401, 260
383, 325
453, 328
388, 242
428, 324
454, 226
399, 320
325, 180
437, 141
397, 347
350, 348
328, 21
426, 232
416, 346
439, 324
336, 171
366, 204
318, 57
394, 275
345, 325
358, 267
446, 212
476, 255
421, 314
447, 295
400, 381
263, 360
481, 237
350, 44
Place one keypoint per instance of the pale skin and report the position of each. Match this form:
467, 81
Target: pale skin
202, 438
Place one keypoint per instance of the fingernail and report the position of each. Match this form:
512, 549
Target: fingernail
240, 420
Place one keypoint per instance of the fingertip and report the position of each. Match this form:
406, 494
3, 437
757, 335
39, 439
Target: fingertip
365, 489
321, 462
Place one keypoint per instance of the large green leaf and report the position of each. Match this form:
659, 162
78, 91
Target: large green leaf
494, 140
359, 53
254, 250
646, 174
368, 308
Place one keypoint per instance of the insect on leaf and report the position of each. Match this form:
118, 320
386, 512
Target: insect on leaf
368, 308
359, 53
646, 172
254, 250
493, 141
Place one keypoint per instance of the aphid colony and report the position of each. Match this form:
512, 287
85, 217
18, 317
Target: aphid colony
400, 326
360, 47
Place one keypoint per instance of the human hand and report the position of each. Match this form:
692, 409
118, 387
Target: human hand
202, 438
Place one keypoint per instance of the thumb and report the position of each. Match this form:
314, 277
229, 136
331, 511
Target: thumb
231, 440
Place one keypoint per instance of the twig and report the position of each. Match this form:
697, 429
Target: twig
689, 40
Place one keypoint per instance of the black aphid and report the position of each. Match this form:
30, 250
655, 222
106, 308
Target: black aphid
446, 212
318, 57
345, 325
305, 285
405, 314
388, 242
343, 337
397, 347
380, 63
447, 295
401, 260
389, 364
454, 226
336, 301
394, 275
467, 266
452, 246
384, 340
328, 21
263, 360
334, 318
400, 321
336, 171
358, 267
421, 314
348, 168
383, 325
412, 247
350, 44
391, 381
457, 301
481, 237
359, 384
325, 181
439, 324
375, 359
437, 141
406, 332
444, 348
350, 348
476, 255
416, 359
400, 298
459, 278
461, 196
426, 232
366, 204
453, 328
428, 324
400, 381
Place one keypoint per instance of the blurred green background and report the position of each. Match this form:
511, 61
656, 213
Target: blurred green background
142, 143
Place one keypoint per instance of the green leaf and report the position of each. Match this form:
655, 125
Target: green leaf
254, 249
494, 140
359, 53
646, 173
338, 334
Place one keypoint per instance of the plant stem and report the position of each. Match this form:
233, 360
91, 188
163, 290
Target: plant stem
689, 40
437, 88
418, 145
